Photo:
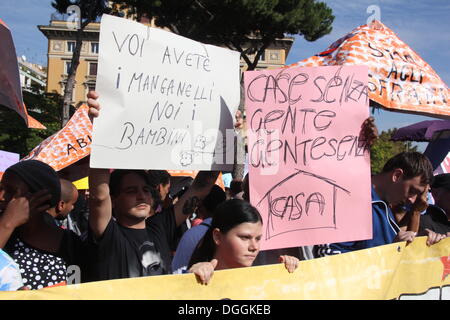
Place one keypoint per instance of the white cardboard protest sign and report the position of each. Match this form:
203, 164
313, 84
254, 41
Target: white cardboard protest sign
166, 101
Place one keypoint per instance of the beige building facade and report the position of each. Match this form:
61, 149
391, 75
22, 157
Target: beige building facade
61, 44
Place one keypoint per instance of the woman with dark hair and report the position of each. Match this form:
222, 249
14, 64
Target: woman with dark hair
233, 241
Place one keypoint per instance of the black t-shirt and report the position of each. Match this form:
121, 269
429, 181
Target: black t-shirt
126, 253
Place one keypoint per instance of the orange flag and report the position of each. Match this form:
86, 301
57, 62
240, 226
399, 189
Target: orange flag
399, 78
32, 122
67, 146
10, 89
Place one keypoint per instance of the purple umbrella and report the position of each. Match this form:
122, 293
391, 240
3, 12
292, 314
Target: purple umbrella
429, 130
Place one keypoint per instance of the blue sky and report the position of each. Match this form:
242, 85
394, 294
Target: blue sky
422, 24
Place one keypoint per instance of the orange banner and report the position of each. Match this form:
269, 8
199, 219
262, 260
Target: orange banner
32, 122
399, 78
67, 146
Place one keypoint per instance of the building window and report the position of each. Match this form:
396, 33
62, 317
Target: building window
93, 68
71, 46
94, 47
91, 87
57, 46
275, 56
67, 65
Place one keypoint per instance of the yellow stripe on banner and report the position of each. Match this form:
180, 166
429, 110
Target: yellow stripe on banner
385, 272
420, 269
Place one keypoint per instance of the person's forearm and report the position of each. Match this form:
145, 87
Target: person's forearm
420, 205
99, 184
200, 188
100, 210
414, 220
203, 183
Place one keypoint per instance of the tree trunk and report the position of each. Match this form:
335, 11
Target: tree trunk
70, 83
239, 158
239, 144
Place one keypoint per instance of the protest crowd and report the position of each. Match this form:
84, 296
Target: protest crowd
137, 226
131, 223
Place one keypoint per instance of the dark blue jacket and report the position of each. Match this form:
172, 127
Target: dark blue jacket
384, 231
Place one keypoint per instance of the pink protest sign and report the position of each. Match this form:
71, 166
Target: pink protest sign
309, 172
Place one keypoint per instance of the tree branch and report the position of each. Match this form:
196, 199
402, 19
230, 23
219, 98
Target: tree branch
260, 51
243, 54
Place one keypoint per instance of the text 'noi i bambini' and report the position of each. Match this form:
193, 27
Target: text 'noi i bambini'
306, 125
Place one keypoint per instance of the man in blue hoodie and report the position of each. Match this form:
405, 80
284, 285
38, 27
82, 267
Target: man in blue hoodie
403, 182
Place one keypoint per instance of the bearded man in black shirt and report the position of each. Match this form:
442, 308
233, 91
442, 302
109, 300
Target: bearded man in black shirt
128, 238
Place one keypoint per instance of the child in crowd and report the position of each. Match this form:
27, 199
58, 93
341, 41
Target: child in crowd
233, 241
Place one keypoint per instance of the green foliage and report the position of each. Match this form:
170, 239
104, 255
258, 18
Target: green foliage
248, 26
384, 149
14, 134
